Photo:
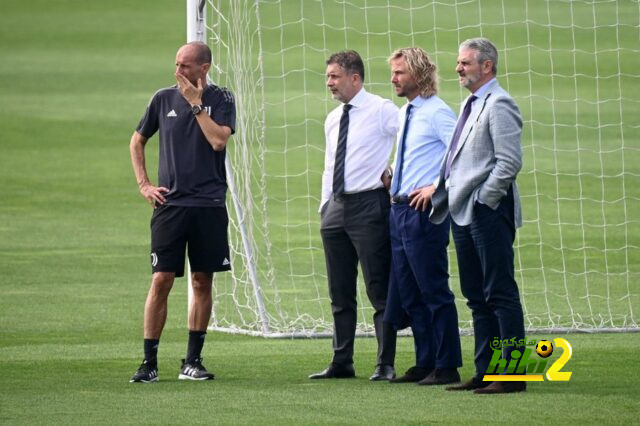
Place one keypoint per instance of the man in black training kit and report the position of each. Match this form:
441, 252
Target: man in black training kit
195, 121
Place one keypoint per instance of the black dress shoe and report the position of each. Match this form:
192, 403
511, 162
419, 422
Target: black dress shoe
472, 384
414, 374
335, 371
441, 376
503, 387
383, 372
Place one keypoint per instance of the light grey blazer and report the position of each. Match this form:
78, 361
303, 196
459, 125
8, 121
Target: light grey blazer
486, 161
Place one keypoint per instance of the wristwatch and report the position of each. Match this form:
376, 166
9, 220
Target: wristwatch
196, 109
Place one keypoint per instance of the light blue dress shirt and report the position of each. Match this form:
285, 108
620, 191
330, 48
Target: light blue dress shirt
431, 125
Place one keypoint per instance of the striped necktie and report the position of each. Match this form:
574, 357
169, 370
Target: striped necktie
341, 153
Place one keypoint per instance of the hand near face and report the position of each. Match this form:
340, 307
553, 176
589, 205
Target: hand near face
191, 93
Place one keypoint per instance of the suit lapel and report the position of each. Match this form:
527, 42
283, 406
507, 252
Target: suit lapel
473, 118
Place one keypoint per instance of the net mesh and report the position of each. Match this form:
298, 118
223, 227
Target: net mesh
573, 68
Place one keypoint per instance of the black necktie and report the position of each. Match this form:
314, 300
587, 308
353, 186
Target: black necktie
395, 186
341, 153
456, 134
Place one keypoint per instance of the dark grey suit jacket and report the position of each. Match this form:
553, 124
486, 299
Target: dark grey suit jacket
486, 162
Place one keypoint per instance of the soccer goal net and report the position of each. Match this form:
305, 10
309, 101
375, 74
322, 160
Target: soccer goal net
572, 66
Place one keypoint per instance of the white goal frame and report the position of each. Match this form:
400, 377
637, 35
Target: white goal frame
266, 323
196, 31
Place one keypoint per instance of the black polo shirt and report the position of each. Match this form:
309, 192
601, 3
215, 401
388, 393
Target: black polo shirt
188, 165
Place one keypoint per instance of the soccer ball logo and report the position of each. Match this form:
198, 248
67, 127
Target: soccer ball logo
544, 348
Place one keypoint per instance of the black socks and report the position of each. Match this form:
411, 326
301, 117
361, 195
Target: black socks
151, 351
194, 348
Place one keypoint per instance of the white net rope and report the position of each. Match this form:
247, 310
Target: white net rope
573, 67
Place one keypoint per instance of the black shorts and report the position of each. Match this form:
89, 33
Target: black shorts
201, 230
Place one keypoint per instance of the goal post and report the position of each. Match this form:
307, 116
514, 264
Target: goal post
196, 31
573, 68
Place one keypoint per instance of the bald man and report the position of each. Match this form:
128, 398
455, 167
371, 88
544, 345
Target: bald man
195, 121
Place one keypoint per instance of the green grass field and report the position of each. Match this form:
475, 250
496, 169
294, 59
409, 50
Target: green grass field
75, 79
83, 380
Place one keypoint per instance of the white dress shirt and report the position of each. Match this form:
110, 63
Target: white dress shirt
373, 125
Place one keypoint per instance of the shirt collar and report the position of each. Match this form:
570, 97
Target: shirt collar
418, 101
359, 99
484, 88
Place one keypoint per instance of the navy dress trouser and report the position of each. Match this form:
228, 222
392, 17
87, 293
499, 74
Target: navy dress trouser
485, 261
420, 272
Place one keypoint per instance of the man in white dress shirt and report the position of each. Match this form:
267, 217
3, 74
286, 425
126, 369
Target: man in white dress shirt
360, 134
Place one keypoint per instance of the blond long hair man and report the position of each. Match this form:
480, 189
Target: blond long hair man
420, 280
